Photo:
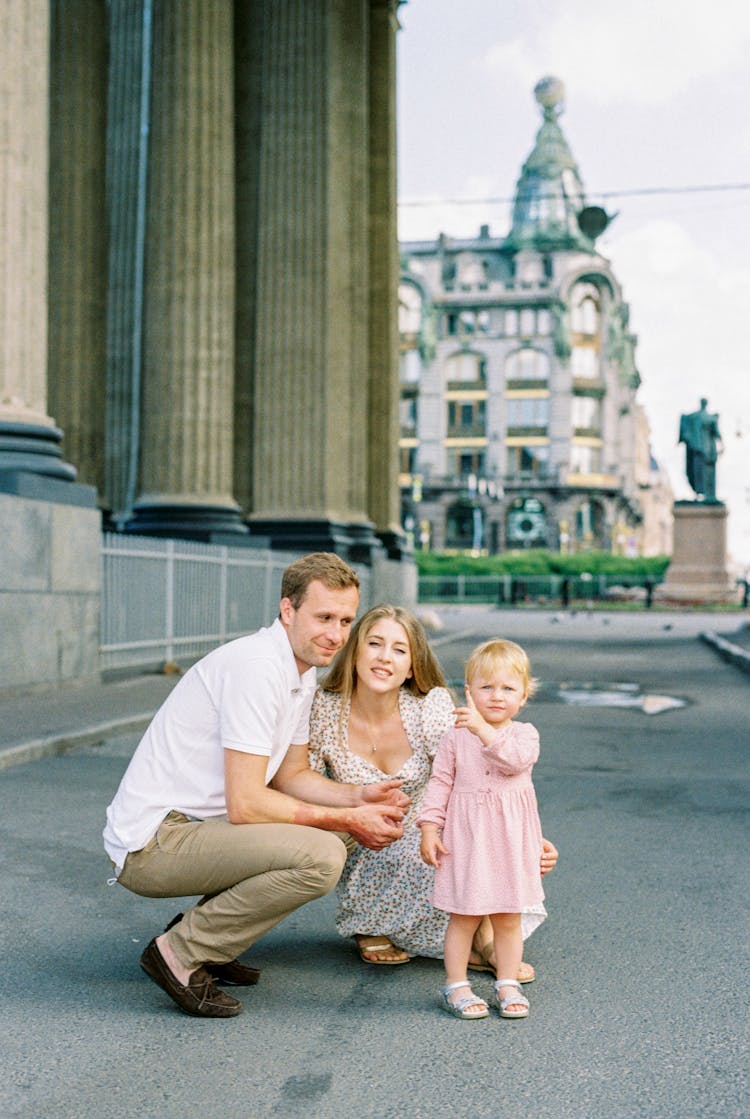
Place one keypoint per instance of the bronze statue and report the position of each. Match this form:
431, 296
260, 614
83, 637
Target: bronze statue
699, 431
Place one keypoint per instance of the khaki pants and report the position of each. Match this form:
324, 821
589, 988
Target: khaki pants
251, 876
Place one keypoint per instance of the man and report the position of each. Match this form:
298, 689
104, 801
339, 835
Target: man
699, 431
219, 800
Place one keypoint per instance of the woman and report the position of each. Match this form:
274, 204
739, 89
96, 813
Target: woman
382, 710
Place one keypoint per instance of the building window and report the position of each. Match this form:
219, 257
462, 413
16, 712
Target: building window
511, 323
527, 364
463, 461
543, 321
527, 411
586, 413
466, 368
585, 310
528, 322
408, 415
472, 272
407, 460
528, 462
464, 526
584, 363
585, 459
410, 367
467, 417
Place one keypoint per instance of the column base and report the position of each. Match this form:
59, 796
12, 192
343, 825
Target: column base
396, 545
33, 449
354, 542
211, 524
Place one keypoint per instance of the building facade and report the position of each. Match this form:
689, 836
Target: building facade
520, 425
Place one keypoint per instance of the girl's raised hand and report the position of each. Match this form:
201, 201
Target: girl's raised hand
468, 717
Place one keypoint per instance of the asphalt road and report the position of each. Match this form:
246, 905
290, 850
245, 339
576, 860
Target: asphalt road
640, 1008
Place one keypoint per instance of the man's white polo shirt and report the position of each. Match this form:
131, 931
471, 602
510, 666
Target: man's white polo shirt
247, 695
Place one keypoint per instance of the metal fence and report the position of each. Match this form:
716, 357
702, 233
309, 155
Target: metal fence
516, 589
174, 600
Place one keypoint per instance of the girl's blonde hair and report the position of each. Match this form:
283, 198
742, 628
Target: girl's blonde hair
491, 655
425, 670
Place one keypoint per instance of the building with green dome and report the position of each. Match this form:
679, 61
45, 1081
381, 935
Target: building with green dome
520, 424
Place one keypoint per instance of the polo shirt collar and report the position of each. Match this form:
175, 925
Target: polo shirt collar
307, 681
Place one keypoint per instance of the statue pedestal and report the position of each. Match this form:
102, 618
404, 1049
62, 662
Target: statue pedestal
698, 571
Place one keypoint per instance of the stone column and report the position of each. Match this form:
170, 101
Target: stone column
188, 349
310, 353
29, 439
128, 113
78, 230
383, 501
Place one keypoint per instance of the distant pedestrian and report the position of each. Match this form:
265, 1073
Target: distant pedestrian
565, 592
480, 826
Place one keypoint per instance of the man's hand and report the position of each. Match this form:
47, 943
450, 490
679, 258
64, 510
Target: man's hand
431, 847
376, 825
385, 792
549, 857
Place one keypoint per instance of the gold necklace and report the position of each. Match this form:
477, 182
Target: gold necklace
372, 746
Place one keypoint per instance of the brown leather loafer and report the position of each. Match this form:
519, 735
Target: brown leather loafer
200, 997
232, 973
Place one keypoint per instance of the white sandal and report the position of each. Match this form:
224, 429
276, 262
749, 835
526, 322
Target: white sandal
515, 1000
459, 1008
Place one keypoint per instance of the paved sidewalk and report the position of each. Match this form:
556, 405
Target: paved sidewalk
44, 723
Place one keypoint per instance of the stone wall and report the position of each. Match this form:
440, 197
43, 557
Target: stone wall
49, 593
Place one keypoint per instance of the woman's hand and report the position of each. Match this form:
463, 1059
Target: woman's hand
385, 792
431, 847
549, 857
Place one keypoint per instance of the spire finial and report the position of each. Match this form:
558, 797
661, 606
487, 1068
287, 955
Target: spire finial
550, 94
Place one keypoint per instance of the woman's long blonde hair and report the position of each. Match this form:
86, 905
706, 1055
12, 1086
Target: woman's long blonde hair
425, 670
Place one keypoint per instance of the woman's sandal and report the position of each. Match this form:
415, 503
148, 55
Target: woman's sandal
379, 944
460, 1007
526, 973
515, 1000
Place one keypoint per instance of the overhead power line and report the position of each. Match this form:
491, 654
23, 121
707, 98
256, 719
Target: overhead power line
707, 188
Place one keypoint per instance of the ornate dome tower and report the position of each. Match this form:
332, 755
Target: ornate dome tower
549, 193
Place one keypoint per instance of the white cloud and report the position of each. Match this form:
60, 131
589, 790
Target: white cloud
643, 52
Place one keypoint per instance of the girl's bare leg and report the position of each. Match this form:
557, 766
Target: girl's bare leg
458, 940
483, 951
508, 950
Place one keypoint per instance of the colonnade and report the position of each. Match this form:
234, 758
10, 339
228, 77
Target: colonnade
200, 265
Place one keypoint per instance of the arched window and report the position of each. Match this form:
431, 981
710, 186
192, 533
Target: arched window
585, 309
464, 526
466, 367
527, 364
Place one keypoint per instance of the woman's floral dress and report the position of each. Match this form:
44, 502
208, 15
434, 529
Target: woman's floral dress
387, 891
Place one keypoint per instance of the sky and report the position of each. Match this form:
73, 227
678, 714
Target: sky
657, 97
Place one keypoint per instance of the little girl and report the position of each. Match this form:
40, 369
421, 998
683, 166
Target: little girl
480, 797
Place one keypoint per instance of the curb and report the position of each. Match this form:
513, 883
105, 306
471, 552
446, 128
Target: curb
736, 655
54, 744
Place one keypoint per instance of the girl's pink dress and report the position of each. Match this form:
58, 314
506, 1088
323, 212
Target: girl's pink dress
483, 799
